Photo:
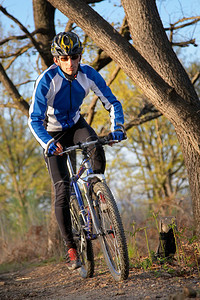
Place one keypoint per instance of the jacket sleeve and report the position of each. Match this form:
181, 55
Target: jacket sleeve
108, 100
37, 113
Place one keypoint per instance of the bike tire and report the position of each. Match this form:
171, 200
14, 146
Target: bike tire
84, 246
113, 240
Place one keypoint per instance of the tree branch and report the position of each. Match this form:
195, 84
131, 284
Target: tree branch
22, 37
28, 34
91, 108
9, 105
92, 1
24, 29
174, 27
103, 58
17, 54
185, 44
195, 78
139, 121
13, 92
134, 122
69, 26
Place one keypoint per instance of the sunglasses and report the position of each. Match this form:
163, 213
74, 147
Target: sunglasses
67, 57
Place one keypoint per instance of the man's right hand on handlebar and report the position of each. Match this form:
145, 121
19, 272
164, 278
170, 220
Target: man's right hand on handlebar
55, 148
117, 135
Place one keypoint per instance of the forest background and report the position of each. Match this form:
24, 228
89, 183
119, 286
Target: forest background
146, 172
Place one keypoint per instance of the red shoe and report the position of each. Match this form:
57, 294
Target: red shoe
73, 261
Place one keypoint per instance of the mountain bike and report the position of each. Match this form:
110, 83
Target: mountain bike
95, 215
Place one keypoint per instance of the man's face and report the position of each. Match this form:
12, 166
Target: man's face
68, 63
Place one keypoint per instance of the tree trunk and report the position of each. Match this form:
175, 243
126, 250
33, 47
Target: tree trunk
167, 243
44, 20
150, 40
192, 162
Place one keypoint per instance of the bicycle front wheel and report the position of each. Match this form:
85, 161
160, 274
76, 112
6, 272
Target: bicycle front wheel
84, 246
113, 240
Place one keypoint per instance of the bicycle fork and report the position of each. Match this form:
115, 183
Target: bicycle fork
95, 220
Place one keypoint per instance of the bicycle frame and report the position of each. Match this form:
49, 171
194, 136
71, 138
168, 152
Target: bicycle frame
90, 217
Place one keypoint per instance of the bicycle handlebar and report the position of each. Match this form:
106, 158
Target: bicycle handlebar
102, 141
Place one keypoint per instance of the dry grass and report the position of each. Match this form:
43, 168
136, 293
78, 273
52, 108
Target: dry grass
19, 249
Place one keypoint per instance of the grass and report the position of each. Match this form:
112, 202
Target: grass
14, 266
141, 252
185, 260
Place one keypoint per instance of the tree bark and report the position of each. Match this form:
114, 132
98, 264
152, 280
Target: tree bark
150, 40
44, 20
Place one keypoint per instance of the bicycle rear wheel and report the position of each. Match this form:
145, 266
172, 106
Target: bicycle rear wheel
84, 246
113, 240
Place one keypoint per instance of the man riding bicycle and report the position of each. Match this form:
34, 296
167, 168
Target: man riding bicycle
56, 122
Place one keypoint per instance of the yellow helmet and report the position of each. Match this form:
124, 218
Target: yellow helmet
66, 43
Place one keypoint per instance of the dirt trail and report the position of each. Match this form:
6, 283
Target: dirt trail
54, 282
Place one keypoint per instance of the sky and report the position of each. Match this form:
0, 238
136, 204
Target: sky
170, 11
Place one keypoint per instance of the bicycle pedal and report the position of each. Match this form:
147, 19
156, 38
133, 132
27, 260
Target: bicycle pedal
110, 231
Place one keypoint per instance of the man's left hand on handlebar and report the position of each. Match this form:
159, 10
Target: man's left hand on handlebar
118, 135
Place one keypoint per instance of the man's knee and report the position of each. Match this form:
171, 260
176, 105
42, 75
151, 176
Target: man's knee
99, 163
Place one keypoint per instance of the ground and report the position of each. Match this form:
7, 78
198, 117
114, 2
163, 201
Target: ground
53, 281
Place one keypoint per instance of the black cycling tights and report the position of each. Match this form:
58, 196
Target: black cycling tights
57, 168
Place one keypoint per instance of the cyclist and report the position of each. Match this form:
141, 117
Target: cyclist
56, 122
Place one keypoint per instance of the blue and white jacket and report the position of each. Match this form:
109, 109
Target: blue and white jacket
56, 101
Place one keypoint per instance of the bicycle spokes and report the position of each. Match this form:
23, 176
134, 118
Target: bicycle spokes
112, 240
